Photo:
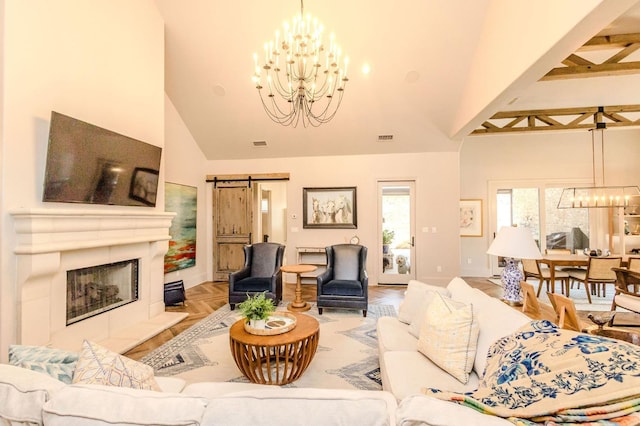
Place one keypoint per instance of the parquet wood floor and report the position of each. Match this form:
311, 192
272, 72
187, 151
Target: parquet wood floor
205, 298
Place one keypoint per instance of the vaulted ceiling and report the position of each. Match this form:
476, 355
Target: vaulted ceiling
439, 70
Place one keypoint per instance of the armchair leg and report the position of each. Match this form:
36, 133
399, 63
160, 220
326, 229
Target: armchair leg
233, 306
364, 313
319, 311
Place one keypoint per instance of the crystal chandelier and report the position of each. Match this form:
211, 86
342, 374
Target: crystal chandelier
597, 196
303, 78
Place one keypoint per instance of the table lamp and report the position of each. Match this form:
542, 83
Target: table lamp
513, 244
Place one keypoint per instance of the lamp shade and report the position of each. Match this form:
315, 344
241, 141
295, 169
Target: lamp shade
514, 242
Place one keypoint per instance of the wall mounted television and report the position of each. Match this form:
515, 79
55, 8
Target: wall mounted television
91, 165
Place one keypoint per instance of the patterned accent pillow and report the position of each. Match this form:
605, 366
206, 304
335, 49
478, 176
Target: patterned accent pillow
57, 363
449, 336
100, 366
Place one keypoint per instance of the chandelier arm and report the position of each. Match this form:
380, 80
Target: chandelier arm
279, 117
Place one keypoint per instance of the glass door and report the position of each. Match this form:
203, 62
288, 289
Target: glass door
396, 226
515, 206
533, 204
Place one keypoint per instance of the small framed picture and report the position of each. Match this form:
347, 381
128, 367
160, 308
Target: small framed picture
144, 186
471, 218
329, 208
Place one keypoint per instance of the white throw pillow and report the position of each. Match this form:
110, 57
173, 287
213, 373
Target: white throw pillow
449, 336
421, 311
100, 366
413, 300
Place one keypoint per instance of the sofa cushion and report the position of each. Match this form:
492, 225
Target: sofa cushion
301, 406
57, 363
394, 335
413, 300
409, 372
100, 366
23, 393
496, 319
449, 335
418, 318
424, 410
88, 405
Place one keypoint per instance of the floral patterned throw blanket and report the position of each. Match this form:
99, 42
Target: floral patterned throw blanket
546, 375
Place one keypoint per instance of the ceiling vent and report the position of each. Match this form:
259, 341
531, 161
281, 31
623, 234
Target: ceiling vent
385, 138
259, 143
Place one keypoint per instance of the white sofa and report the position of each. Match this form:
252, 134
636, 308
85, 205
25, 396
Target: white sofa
405, 371
32, 398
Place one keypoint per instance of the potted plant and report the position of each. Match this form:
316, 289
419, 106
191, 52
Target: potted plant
387, 238
257, 309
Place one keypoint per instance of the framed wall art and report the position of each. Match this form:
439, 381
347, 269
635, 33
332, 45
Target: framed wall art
329, 208
183, 200
471, 218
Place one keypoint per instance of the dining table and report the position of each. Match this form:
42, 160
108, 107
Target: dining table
569, 260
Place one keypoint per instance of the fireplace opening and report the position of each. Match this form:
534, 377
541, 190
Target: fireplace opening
97, 289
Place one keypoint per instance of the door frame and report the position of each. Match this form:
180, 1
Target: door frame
383, 278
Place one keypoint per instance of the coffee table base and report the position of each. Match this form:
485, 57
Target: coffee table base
277, 359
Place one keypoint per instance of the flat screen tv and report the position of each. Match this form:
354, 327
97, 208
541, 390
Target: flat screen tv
91, 165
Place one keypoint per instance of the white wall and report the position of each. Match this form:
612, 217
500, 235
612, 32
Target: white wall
100, 61
437, 182
536, 156
185, 164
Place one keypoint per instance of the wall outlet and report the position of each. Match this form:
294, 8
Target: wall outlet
438, 268
434, 229
469, 261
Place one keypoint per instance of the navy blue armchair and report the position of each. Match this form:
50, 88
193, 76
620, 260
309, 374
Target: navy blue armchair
345, 282
261, 273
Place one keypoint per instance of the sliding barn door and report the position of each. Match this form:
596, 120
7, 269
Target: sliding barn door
232, 224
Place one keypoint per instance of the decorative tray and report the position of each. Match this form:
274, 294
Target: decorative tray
278, 323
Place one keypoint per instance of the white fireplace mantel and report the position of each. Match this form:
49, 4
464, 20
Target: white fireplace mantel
49, 242
52, 230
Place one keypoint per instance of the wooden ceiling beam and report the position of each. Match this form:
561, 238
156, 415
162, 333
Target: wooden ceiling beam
551, 119
577, 66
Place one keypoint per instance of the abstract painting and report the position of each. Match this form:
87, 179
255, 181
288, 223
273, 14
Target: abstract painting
183, 200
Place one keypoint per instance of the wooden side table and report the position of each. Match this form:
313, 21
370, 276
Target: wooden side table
277, 359
298, 305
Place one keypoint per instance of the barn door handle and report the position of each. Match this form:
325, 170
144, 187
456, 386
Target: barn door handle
413, 241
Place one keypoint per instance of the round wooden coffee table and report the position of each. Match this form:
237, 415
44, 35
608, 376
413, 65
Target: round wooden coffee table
277, 359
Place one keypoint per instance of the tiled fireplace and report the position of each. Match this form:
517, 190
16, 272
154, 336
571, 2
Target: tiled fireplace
51, 243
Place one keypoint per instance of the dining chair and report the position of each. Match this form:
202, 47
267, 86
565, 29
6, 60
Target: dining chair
531, 268
566, 314
598, 274
557, 251
633, 264
627, 296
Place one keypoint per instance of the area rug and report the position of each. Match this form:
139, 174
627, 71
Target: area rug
578, 295
347, 355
